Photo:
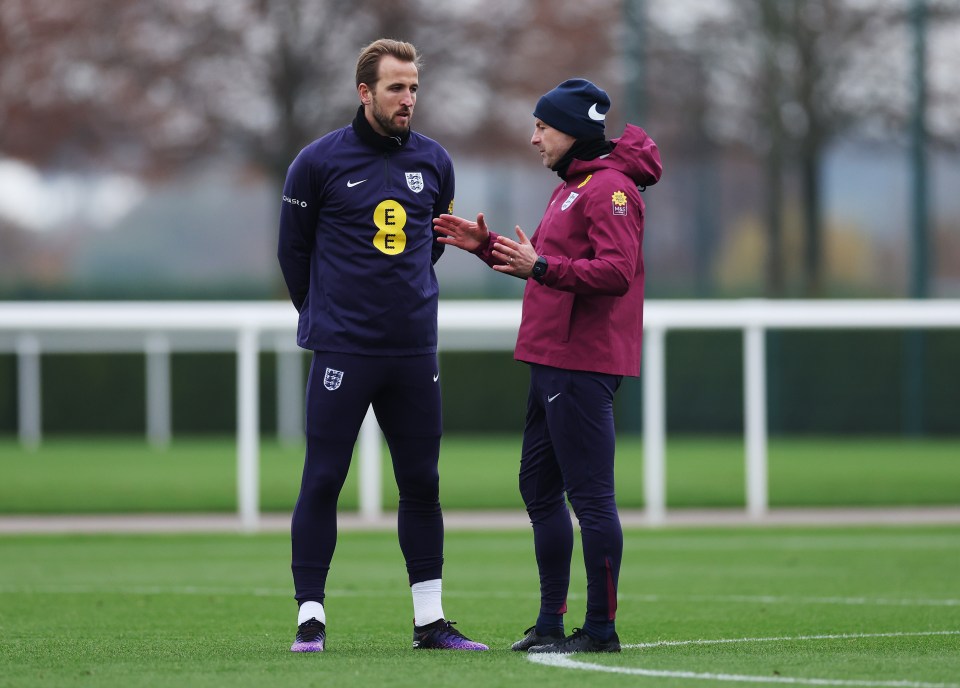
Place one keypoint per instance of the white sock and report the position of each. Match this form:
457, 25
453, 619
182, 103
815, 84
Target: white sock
311, 610
426, 601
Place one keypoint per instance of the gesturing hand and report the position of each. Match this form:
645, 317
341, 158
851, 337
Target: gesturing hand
461, 233
518, 256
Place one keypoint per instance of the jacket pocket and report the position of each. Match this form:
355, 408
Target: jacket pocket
565, 310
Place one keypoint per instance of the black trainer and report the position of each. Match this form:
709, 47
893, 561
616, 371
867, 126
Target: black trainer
579, 641
441, 635
311, 637
531, 639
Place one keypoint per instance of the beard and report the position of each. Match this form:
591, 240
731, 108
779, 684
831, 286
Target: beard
387, 124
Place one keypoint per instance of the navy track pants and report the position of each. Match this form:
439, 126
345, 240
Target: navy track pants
405, 394
568, 447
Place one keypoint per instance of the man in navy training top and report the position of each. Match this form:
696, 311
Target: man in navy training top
580, 333
357, 249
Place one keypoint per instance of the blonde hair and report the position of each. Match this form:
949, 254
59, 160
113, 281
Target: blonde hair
370, 56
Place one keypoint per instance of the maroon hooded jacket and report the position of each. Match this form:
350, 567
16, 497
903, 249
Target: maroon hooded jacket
588, 312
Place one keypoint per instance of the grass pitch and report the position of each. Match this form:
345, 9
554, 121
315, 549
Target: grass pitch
852, 606
89, 475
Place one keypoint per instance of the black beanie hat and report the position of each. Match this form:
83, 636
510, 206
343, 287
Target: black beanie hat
575, 107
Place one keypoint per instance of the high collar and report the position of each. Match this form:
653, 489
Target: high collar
369, 136
582, 149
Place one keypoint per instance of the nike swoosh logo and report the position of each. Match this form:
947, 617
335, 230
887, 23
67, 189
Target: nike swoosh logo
594, 115
350, 184
436, 377
549, 399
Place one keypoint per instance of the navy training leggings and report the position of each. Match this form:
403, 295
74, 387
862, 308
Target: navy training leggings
405, 394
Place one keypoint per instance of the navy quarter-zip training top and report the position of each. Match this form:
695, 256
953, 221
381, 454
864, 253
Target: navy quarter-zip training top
357, 244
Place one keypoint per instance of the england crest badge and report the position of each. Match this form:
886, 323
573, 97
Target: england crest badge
415, 181
332, 379
570, 199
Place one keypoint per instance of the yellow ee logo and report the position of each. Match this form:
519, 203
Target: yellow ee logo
390, 218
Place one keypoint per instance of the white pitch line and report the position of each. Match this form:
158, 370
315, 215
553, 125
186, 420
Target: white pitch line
570, 662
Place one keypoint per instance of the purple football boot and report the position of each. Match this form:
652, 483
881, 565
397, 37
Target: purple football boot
311, 636
441, 635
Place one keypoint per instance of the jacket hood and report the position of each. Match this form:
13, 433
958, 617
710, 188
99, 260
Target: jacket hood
635, 155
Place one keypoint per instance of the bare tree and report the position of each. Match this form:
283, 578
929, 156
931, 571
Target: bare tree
787, 78
150, 86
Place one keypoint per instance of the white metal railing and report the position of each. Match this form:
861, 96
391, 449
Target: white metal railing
157, 328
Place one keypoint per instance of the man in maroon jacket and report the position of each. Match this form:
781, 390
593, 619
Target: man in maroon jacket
580, 333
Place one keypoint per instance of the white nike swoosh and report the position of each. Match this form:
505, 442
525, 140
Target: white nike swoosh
436, 377
594, 115
549, 399
350, 184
